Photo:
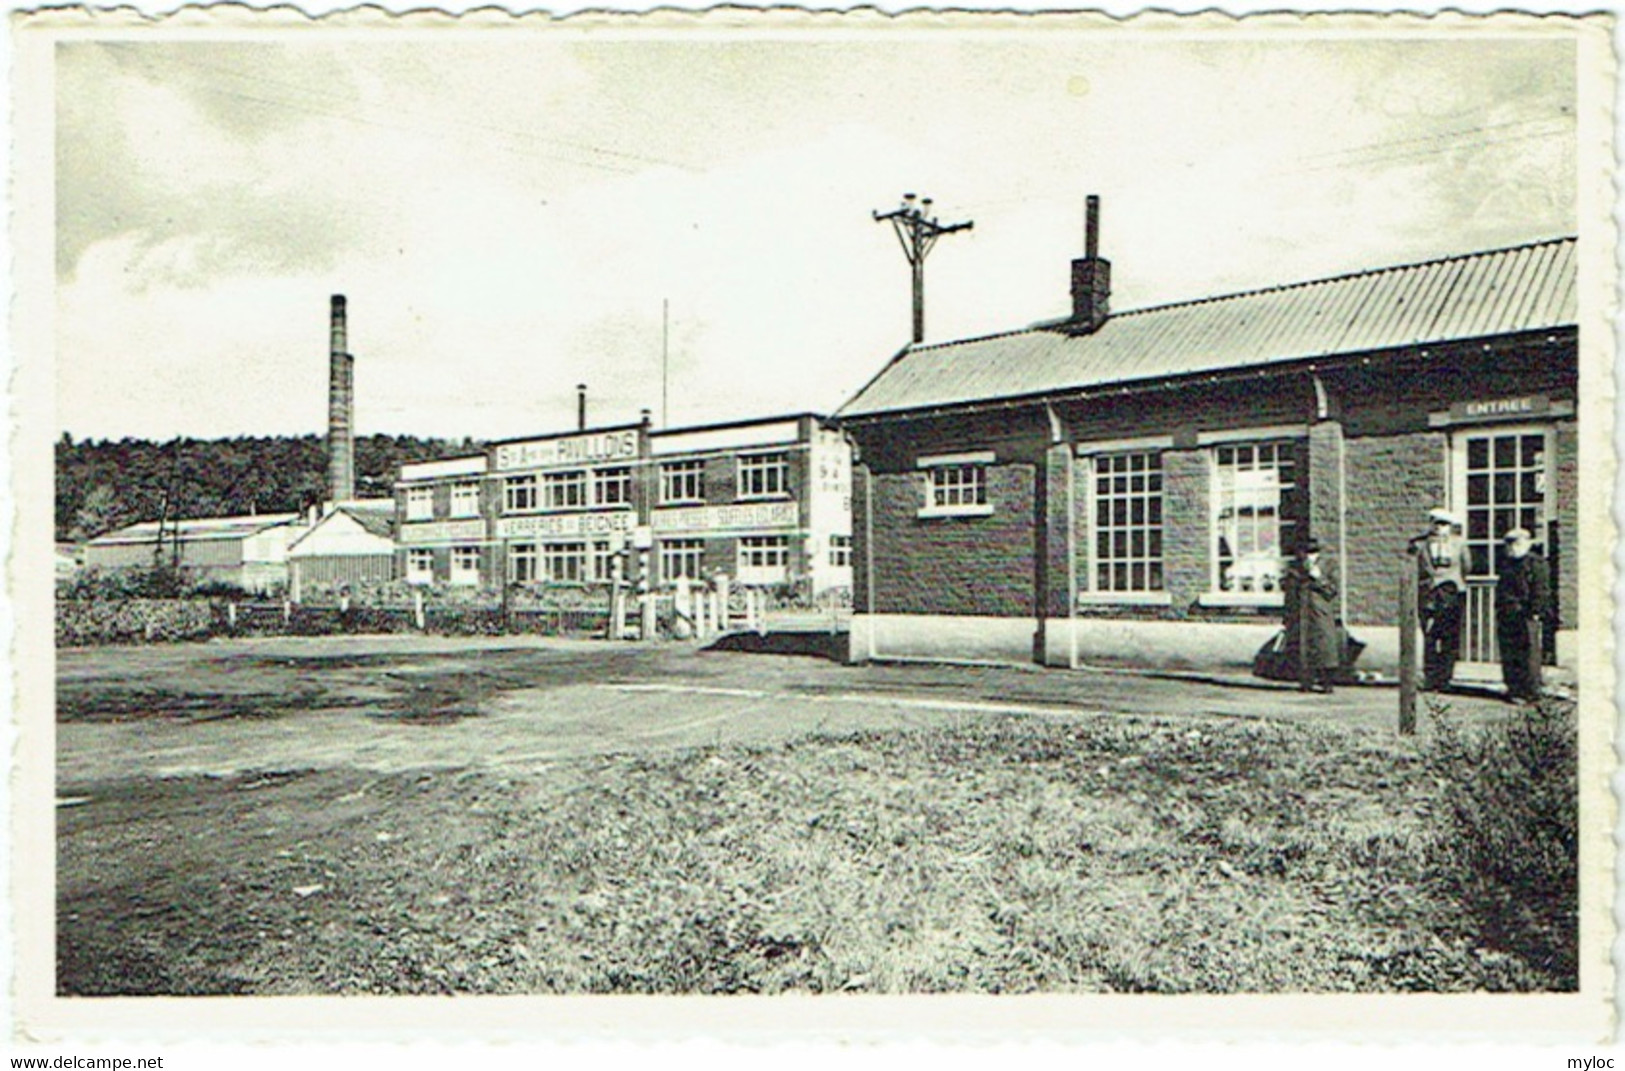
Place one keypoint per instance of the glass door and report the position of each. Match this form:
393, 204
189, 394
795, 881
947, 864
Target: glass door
1501, 480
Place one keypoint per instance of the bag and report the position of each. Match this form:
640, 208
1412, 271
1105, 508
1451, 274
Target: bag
1276, 661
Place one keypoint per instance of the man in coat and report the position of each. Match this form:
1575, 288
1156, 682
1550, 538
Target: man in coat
1310, 601
1442, 563
1522, 595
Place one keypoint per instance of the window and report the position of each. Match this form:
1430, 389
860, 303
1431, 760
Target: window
1255, 511
682, 481
419, 503
611, 487
522, 563
519, 494
465, 565
465, 500
1128, 522
840, 551
565, 490
681, 557
764, 559
420, 566
564, 563
764, 476
601, 562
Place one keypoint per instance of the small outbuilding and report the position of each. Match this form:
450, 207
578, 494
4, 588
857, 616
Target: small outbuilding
353, 544
250, 553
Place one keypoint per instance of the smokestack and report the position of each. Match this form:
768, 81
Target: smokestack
1091, 276
581, 407
340, 409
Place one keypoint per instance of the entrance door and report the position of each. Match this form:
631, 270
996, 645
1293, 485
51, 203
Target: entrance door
1501, 480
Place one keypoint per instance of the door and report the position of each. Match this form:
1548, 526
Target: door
1501, 476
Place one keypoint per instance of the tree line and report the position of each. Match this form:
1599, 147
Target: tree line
102, 485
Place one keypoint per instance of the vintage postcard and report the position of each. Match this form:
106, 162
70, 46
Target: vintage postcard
785, 524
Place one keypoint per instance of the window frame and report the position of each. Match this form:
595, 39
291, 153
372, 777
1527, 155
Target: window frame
935, 499
465, 499
1154, 500
571, 554
462, 574
521, 494
419, 565
840, 551
685, 548
1287, 523
617, 476
757, 468
558, 488
681, 471
524, 563
750, 546
420, 503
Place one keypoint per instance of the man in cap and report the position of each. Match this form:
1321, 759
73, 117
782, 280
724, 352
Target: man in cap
1442, 562
1522, 595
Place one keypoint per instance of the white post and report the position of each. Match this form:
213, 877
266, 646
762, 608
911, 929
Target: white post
723, 623
417, 609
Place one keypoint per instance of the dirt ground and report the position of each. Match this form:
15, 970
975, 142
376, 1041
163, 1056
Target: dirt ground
306, 815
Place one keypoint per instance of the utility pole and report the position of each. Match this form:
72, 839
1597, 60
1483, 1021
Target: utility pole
917, 232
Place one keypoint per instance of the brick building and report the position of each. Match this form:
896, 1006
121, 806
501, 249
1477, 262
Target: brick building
764, 502
1126, 486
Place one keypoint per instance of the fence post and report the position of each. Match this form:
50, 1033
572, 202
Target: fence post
231, 615
1407, 650
417, 609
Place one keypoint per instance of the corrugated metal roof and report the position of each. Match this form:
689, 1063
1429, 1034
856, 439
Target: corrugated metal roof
1524, 288
201, 528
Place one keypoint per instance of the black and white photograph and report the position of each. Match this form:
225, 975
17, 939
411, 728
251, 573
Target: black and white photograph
1023, 521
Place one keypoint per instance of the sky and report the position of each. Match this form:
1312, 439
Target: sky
510, 215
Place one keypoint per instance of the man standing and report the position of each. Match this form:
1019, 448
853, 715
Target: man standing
1442, 562
1312, 632
1522, 595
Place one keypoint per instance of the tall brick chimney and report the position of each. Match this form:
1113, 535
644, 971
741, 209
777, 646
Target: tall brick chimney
340, 410
1091, 276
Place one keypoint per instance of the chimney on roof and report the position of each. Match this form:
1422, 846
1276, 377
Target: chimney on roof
340, 410
581, 407
1091, 276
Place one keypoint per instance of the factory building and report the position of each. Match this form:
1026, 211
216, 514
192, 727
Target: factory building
250, 553
763, 502
1126, 486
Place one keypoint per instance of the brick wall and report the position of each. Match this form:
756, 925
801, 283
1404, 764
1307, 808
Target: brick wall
1567, 559
1058, 580
1392, 483
954, 565
1186, 494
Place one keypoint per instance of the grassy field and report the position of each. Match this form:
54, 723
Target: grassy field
988, 854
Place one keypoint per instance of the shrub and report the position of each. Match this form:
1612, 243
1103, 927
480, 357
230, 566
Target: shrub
84, 622
1510, 843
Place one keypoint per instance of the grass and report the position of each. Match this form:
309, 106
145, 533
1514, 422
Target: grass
996, 855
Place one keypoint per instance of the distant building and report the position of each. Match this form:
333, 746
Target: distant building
762, 501
352, 545
1126, 486
250, 553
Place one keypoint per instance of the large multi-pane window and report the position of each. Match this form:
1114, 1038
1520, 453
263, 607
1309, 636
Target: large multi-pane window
600, 561
420, 566
465, 500
1255, 514
1128, 522
682, 481
564, 563
955, 487
1506, 489
564, 490
519, 494
611, 487
522, 563
763, 557
419, 503
681, 558
465, 565
764, 475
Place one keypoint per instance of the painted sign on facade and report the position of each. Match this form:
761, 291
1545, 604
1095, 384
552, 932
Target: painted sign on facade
1501, 408
727, 518
565, 524
574, 450
442, 532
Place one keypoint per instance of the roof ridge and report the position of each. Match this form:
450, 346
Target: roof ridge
1341, 276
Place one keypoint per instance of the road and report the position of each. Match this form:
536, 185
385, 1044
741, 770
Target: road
391, 703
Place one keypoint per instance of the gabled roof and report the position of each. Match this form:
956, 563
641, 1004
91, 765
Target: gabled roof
193, 530
1479, 295
375, 516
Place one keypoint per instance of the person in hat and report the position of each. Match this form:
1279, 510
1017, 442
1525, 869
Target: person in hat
1522, 595
1442, 563
1312, 632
